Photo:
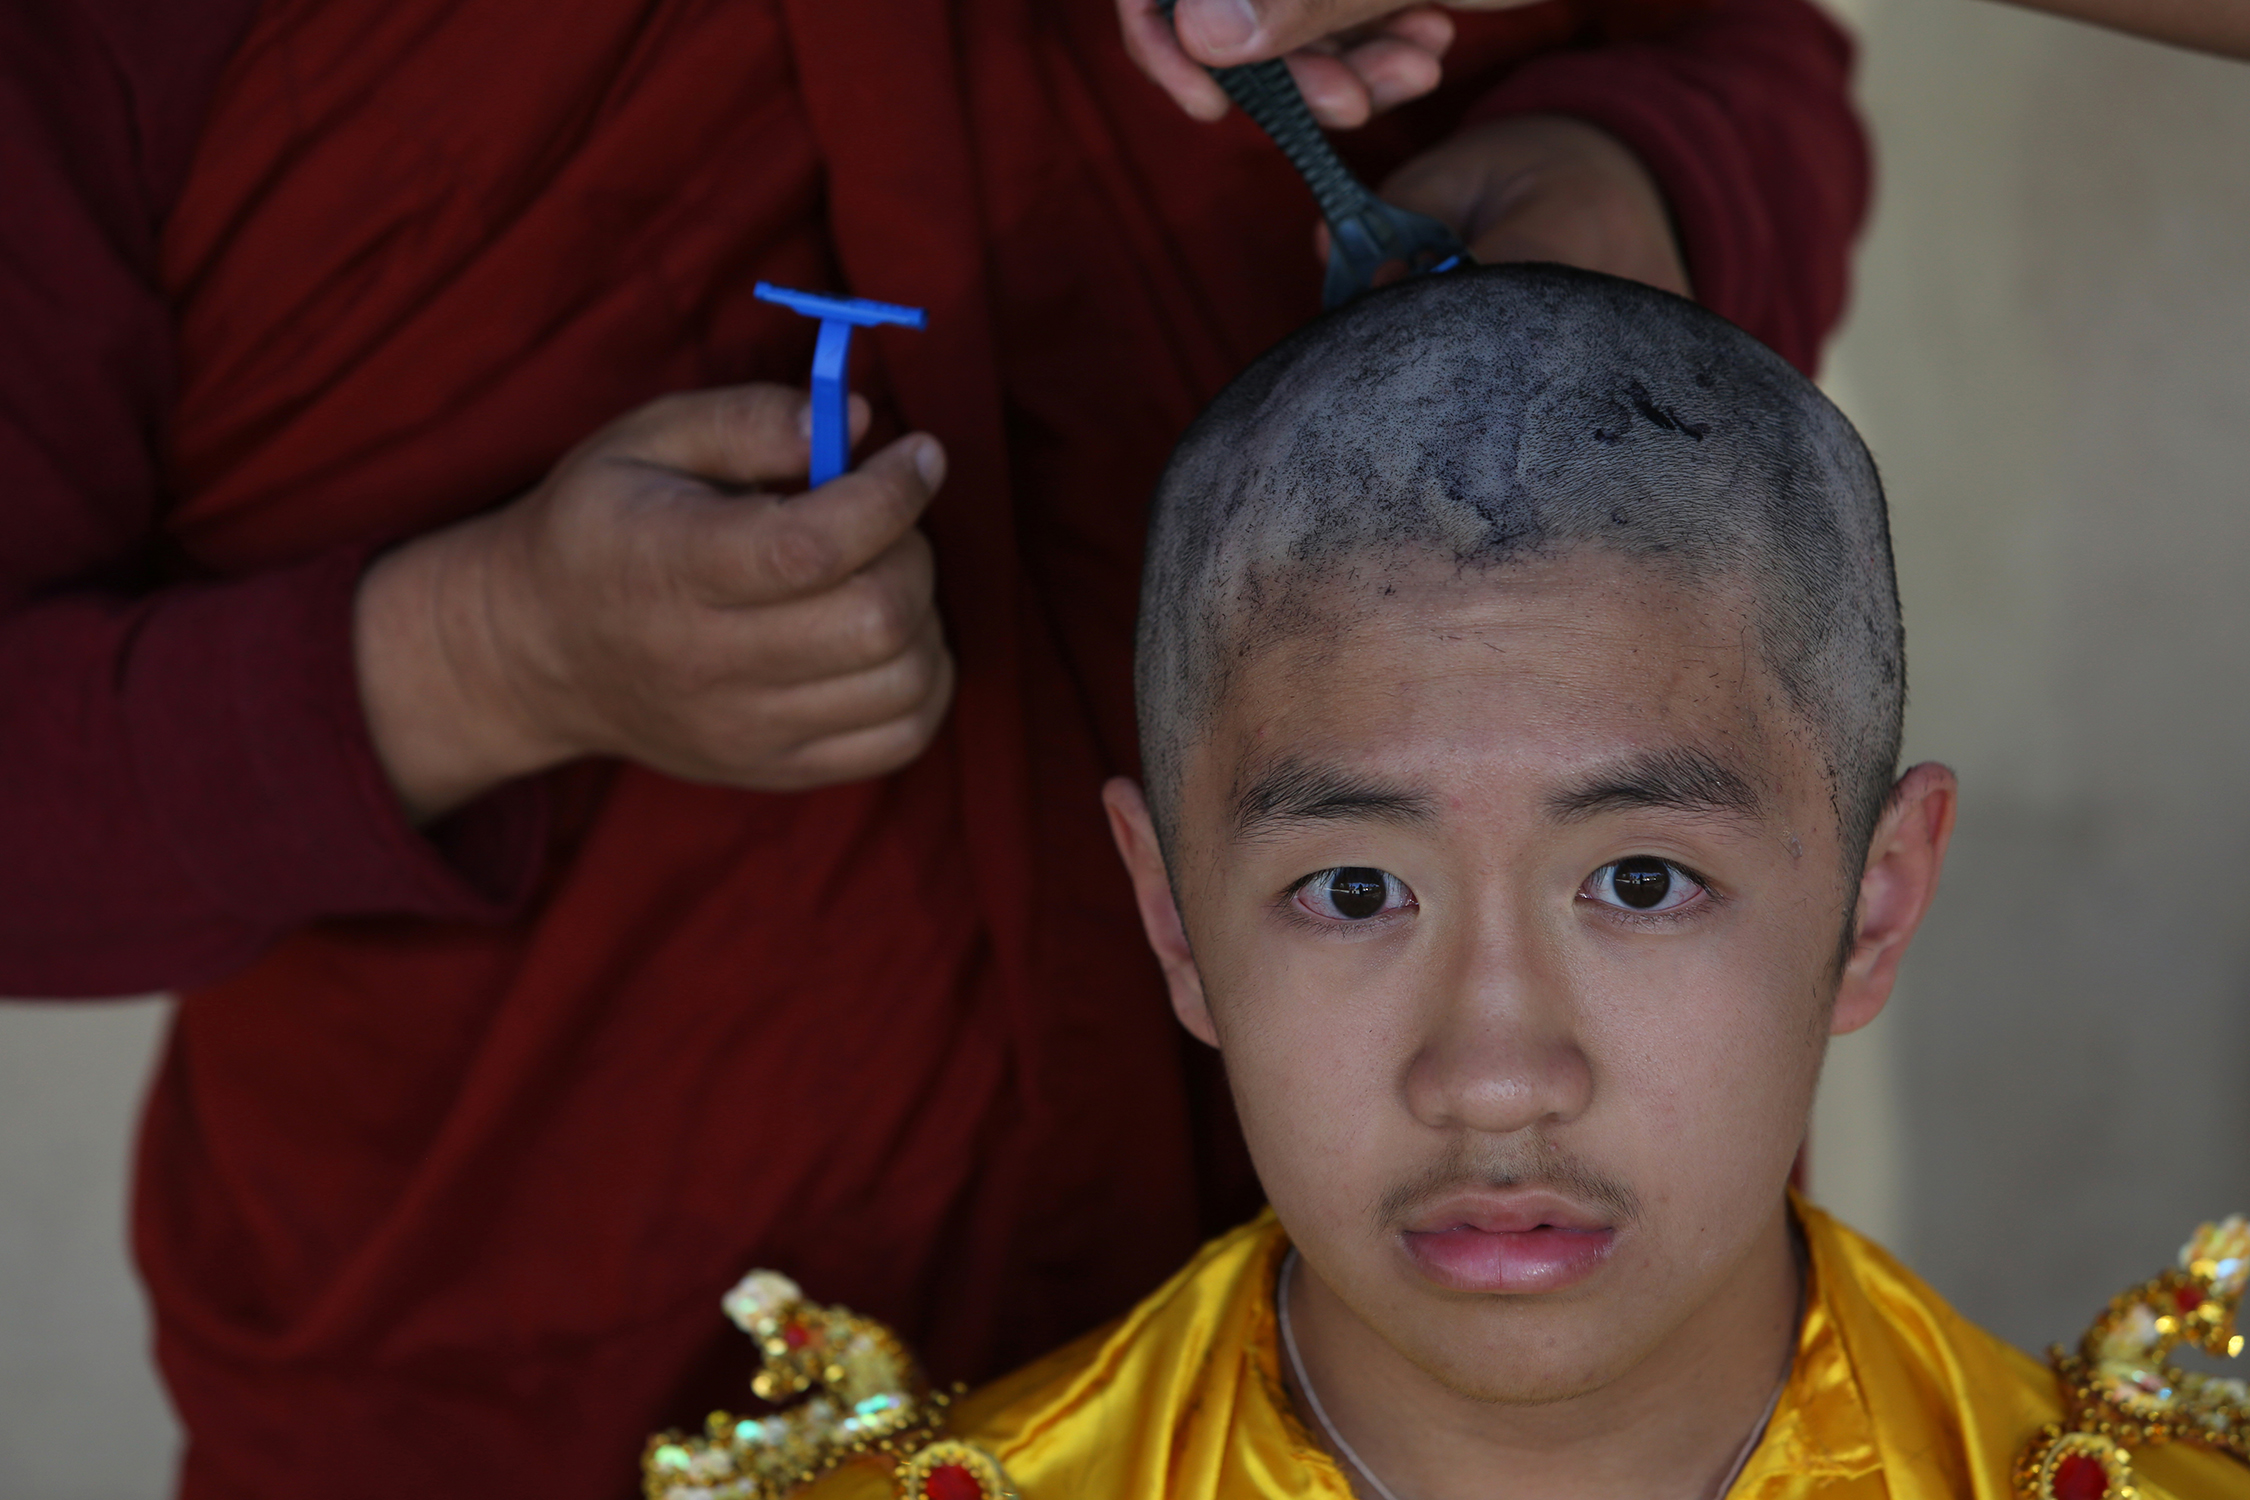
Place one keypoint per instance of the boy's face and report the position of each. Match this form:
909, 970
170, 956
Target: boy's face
1515, 904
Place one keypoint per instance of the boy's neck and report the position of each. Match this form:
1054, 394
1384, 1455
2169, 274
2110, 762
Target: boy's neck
1670, 1428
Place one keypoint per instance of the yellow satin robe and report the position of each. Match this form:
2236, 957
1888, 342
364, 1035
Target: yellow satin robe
1893, 1394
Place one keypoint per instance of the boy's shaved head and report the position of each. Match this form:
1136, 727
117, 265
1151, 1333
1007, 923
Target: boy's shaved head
1506, 414
1520, 687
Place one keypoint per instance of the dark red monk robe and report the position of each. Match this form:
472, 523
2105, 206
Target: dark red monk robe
459, 1136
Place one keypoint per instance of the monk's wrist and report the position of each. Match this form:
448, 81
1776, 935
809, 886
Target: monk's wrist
441, 645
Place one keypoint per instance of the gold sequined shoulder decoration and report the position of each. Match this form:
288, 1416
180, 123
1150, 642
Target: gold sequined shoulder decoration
844, 1387
2120, 1394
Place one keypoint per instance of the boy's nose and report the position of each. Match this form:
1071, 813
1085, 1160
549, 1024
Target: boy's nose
1499, 1050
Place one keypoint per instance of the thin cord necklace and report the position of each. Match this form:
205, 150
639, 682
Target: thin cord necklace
1375, 1482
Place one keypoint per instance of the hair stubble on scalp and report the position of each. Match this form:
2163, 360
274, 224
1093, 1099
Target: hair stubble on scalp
1505, 415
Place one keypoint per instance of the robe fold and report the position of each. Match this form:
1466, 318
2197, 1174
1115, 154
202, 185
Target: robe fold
1892, 1396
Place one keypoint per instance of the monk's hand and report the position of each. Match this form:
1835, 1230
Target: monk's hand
1546, 187
1352, 60
650, 601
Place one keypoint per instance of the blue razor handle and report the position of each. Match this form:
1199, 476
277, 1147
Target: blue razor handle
1364, 232
831, 420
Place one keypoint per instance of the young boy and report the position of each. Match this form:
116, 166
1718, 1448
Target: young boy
1521, 677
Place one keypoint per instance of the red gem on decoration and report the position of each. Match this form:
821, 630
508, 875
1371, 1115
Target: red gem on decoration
953, 1482
2186, 1298
794, 1335
2080, 1477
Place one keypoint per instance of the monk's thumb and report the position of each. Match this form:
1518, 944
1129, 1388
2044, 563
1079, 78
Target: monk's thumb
913, 468
816, 540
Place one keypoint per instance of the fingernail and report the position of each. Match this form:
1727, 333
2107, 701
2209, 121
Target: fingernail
929, 461
1225, 25
804, 421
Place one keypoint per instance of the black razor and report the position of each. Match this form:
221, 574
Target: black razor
1364, 233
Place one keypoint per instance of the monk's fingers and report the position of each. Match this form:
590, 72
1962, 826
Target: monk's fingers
1348, 80
876, 749
1352, 58
1332, 91
880, 613
1425, 26
724, 688
757, 550
1403, 58
837, 729
843, 704
731, 437
1225, 33
1155, 48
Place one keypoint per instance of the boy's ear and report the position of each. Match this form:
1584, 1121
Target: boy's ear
1135, 832
1895, 890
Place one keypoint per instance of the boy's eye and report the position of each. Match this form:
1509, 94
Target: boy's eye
1353, 893
1642, 883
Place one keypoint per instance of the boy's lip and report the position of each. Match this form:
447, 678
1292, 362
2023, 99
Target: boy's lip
1508, 1242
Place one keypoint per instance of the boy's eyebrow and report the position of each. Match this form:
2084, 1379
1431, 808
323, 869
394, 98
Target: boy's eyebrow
1683, 779
1297, 791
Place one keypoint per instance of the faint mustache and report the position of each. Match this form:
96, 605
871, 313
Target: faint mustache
1539, 1164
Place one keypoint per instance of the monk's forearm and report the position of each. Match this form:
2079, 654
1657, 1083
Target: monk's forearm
184, 778
1547, 188
2220, 26
1741, 115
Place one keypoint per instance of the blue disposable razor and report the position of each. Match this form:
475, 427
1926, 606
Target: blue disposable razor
1364, 233
831, 419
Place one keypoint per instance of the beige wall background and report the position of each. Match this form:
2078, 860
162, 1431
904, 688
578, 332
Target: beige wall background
2050, 355
81, 1416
